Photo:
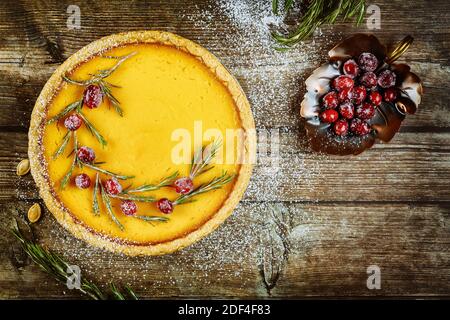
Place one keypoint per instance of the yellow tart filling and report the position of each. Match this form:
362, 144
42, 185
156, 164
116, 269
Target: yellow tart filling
162, 91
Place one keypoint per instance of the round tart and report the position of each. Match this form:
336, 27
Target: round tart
109, 129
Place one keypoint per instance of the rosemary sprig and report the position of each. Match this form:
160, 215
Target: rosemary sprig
66, 110
57, 267
107, 202
121, 59
67, 176
322, 12
165, 182
95, 207
213, 184
107, 172
152, 218
202, 158
93, 130
63, 145
107, 92
134, 198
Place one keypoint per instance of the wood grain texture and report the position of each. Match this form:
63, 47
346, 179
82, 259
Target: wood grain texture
313, 229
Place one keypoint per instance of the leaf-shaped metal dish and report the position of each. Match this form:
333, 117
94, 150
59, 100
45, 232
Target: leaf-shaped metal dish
388, 116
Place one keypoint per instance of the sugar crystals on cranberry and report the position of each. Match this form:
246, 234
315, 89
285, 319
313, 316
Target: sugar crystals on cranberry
343, 82
369, 79
368, 61
390, 95
365, 111
386, 79
329, 116
351, 68
347, 110
330, 100
341, 127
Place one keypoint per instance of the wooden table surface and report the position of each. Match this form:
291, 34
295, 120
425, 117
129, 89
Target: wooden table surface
310, 229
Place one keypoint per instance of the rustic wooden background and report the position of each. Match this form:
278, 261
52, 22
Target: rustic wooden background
334, 216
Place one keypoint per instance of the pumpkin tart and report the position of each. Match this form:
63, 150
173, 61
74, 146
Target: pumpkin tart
167, 89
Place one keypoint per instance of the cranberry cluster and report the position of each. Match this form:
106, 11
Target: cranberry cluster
355, 95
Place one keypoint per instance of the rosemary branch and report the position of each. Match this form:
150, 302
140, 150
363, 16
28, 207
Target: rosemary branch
66, 110
107, 172
320, 12
92, 129
202, 158
152, 218
213, 184
107, 202
95, 207
134, 198
58, 268
63, 145
165, 182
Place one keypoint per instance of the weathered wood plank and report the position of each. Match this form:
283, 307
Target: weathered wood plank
300, 250
413, 167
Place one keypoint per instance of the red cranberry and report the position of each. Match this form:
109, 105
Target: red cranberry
351, 68
341, 127
165, 205
347, 110
113, 186
73, 122
343, 82
386, 79
369, 80
330, 100
183, 185
86, 154
329, 116
375, 98
82, 181
128, 207
390, 95
359, 127
365, 111
358, 94
93, 96
368, 62
346, 95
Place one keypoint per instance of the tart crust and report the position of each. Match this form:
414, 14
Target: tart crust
39, 165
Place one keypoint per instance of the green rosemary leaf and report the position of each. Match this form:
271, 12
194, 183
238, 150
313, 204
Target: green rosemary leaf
134, 198
65, 111
95, 207
203, 157
107, 203
131, 293
167, 181
152, 218
322, 12
116, 292
275, 7
58, 268
76, 82
67, 176
62, 146
106, 73
107, 92
288, 5
109, 173
213, 184
93, 130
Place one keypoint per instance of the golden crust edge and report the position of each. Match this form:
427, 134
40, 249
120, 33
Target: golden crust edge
36, 157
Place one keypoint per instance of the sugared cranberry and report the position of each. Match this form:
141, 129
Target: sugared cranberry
73, 122
375, 98
113, 186
368, 62
164, 205
93, 96
347, 110
343, 82
183, 185
82, 181
329, 116
346, 95
359, 127
341, 127
390, 95
330, 100
86, 154
365, 111
351, 68
128, 207
358, 94
369, 79
386, 79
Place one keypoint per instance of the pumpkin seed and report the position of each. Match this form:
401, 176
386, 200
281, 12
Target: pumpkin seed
34, 213
23, 167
